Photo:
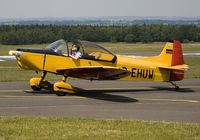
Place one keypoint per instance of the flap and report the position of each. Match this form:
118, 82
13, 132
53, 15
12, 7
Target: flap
95, 72
178, 67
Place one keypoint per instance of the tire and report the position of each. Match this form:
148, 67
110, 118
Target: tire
60, 93
36, 88
177, 88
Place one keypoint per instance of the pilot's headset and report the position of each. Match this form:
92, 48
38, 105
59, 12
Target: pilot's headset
78, 47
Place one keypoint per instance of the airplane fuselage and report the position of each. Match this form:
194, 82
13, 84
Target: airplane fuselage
140, 69
98, 63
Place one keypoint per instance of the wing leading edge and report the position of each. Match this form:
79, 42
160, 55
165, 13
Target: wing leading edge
95, 73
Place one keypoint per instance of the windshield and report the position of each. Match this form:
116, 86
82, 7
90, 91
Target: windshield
59, 46
93, 51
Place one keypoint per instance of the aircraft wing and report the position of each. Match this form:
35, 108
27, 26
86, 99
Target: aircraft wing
177, 67
95, 72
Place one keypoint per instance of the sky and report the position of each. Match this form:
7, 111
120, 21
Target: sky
97, 8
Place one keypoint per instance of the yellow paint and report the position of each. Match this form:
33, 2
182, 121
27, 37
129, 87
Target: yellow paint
31, 61
64, 87
54, 62
34, 81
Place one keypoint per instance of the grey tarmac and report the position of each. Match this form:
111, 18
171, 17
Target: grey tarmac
156, 101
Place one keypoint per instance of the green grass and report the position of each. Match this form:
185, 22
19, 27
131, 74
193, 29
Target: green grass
10, 71
149, 47
76, 128
194, 64
4, 49
114, 47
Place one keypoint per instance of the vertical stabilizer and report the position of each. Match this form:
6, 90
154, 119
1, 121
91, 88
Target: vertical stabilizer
165, 56
177, 54
170, 60
177, 59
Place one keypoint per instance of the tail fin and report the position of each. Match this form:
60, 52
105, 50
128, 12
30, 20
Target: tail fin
173, 59
177, 55
165, 56
177, 59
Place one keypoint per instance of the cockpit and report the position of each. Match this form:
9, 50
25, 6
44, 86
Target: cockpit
89, 50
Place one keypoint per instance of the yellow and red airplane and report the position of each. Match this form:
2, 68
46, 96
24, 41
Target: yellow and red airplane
98, 63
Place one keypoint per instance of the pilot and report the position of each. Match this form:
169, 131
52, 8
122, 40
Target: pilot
76, 54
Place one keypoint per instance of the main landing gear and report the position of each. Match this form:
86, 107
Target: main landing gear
61, 88
175, 85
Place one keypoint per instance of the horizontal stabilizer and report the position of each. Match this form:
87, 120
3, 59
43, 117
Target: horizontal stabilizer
177, 67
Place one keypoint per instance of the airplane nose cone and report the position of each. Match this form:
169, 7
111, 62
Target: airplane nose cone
16, 53
12, 52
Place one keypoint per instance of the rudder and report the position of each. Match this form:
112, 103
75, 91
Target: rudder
177, 59
177, 54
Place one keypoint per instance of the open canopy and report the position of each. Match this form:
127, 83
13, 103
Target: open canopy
89, 50
59, 46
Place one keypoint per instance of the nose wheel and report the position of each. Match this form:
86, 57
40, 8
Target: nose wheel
37, 83
60, 88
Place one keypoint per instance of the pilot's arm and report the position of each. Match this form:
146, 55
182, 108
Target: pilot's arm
76, 56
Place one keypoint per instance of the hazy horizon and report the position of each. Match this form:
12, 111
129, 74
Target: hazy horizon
97, 8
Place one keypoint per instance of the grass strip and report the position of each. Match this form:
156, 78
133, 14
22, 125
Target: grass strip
114, 47
79, 128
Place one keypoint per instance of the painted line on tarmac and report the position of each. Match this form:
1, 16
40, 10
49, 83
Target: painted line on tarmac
9, 67
79, 97
15, 91
171, 100
23, 96
87, 89
134, 88
139, 88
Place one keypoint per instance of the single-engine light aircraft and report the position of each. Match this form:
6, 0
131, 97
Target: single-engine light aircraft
98, 63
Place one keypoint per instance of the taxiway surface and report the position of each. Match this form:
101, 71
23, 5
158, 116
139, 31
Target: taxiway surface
106, 99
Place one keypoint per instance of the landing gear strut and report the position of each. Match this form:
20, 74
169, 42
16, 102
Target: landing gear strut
176, 86
39, 83
61, 88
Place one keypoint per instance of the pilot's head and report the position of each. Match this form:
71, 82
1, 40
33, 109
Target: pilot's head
75, 47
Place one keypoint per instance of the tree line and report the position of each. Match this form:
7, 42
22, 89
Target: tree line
37, 34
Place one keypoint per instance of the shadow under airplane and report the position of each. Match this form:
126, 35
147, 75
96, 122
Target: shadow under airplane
105, 94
